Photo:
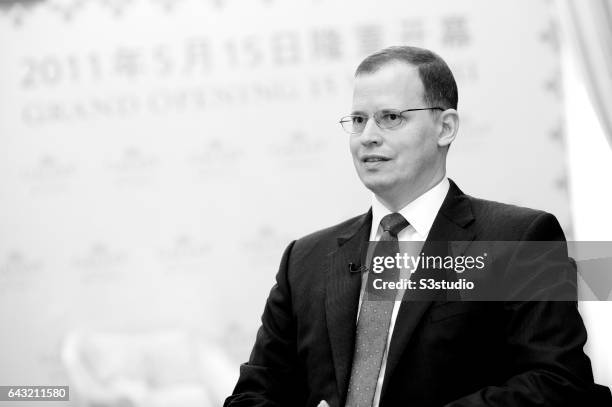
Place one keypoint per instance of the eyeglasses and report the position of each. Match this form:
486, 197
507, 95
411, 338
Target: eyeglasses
385, 119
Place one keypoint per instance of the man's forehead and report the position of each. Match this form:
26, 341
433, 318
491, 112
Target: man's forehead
391, 85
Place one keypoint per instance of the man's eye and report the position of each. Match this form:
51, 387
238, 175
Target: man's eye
358, 120
391, 118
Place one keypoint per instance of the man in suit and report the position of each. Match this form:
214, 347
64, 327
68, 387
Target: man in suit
324, 342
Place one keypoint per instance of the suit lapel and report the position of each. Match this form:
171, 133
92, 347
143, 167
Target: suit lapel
451, 224
342, 297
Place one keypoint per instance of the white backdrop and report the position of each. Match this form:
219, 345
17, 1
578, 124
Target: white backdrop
157, 156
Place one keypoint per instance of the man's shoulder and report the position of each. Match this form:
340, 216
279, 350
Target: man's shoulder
513, 221
328, 237
484, 210
488, 208
340, 229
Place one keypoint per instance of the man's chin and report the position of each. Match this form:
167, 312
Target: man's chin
378, 185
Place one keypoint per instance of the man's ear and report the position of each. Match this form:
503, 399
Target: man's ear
449, 120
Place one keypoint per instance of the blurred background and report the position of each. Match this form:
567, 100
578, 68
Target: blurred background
157, 156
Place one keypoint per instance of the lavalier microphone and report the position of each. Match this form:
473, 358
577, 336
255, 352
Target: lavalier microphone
355, 268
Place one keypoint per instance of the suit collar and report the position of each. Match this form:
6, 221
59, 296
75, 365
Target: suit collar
351, 230
456, 207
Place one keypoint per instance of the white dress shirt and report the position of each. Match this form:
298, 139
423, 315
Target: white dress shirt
421, 214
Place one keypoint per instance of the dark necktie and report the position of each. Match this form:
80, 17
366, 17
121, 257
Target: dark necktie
373, 323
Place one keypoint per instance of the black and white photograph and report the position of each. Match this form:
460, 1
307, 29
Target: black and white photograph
315, 203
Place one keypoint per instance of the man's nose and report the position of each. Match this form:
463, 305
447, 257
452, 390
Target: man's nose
371, 133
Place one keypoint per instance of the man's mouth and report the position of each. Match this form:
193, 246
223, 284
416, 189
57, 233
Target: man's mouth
374, 159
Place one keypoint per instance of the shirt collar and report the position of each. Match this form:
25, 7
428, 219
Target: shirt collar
421, 212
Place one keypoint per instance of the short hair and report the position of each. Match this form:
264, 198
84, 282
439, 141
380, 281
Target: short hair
440, 88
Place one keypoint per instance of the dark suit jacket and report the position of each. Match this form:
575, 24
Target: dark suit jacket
442, 353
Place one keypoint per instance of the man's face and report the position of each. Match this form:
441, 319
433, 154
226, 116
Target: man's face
393, 162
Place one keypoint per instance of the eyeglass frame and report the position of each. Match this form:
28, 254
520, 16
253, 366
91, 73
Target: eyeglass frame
399, 113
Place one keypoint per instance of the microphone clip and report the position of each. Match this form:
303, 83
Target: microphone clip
356, 268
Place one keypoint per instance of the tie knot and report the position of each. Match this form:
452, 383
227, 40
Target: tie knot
393, 223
